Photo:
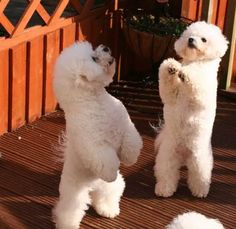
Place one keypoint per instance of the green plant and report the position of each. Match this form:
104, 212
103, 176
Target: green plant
161, 26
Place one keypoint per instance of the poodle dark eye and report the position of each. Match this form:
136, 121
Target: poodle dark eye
106, 49
204, 40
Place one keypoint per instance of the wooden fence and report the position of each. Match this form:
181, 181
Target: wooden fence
27, 54
29, 47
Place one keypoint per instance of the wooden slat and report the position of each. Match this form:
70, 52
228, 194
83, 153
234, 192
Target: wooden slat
4, 76
189, 9
17, 86
26, 190
77, 31
68, 35
97, 36
76, 4
207, 10
85, 30
221, 13
58, 11
35, 31
34, 79
84, 27
106, 29
117, 17
215, 6
199, 10
43, 13
233, 80
230, 33
87, 7
52, 49
8, 220
6, 24
3, 5
29, 11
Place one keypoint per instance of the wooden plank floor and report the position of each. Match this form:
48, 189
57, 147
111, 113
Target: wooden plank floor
30, 171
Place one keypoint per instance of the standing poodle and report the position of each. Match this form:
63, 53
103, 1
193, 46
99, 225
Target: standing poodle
188, 91
99, 135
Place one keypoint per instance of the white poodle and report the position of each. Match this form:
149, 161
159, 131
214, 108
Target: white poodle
99, 135
194, 220
188, 91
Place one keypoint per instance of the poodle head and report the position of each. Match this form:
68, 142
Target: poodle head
194, 220
102, 56
201, 41
80, 66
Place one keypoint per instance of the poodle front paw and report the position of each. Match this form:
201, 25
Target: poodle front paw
108, 210
108, 174
131, 146
164, 190
183, 77
109, 171
129, 159
168, 71
172, 70
172, 66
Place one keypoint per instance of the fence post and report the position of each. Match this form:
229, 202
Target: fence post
207, 10
230, 33
4, 92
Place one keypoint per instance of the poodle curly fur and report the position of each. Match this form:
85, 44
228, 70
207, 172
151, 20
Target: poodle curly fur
99, 135
194, 220
188, 90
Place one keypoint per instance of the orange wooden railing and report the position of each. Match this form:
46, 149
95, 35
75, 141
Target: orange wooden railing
27, 55
192, 9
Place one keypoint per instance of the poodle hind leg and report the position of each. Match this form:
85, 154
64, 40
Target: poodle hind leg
199, 172
167, 169
73, 202
106, 197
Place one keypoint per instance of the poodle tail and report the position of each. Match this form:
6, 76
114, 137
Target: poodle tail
158, 140
159, 132
60, 147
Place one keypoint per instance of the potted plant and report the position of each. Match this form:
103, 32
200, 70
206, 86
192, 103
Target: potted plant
151, 35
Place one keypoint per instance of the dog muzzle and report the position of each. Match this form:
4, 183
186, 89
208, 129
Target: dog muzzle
191, 43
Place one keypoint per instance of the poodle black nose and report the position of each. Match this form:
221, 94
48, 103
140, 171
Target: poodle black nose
106, 49
190, 40
191, 43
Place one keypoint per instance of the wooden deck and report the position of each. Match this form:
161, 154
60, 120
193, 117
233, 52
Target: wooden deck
30, 171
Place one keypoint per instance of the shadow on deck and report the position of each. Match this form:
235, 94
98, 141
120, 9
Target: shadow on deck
30, 171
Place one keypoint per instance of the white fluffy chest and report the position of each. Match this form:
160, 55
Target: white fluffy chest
100, 119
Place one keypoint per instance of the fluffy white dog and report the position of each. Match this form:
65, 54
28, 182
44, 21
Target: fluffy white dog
188, 91
194, 220
99, 135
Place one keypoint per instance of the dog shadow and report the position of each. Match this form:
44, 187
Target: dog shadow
141, 184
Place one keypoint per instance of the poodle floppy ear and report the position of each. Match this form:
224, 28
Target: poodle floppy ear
178, 46
80, 80
88, 72
220, 42
223, 45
